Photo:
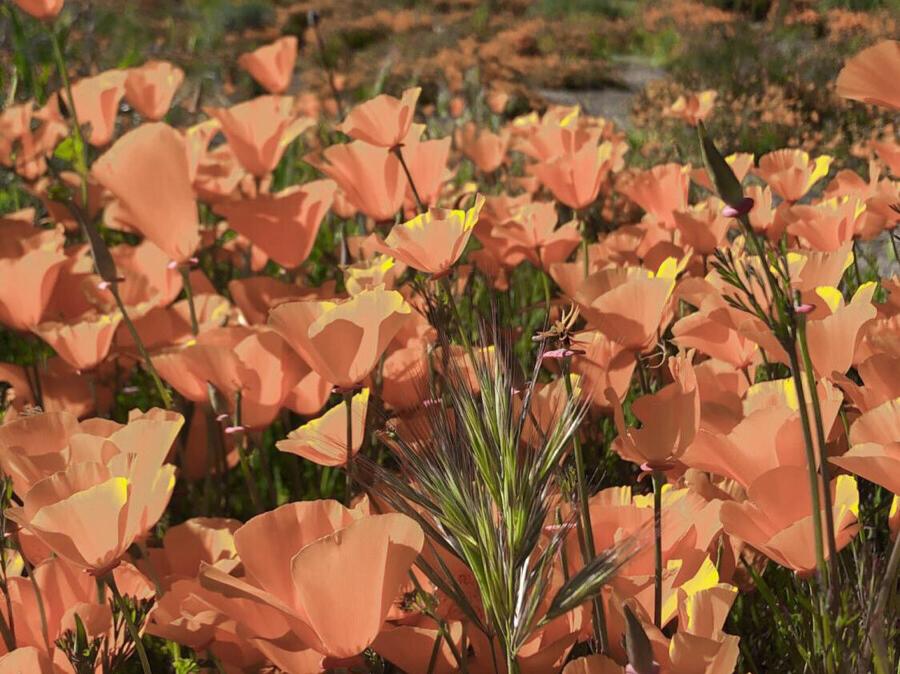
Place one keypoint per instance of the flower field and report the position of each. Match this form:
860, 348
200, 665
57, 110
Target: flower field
329, 343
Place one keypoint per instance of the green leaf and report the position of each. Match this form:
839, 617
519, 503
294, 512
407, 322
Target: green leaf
727, 184
67, 150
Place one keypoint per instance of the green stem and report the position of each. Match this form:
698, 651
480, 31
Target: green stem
892, 237
659, 479
857, 275
420, 206
142, 350
588, 549
876, 630
129, 623
189, 293
546, 286
830, 540
241, 444
813, 474
80, 160
348, 466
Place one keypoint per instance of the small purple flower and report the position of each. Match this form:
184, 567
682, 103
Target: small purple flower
232, 430
741, 209
804, 308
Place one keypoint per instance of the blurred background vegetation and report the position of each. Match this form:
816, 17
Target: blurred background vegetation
772, 62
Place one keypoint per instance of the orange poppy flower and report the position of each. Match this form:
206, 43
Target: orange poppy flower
875, 451
259, 131
776, 518
28, 659
768, 435
27, 137
670, 418
342, 206
166, 326
575, 176
342, 340
283, 225
703, 227
531, 232
660, 191
834, 339
871, 76
272, 65
255, 295
384, 120
603, 365
189, 545
310, 394
34, 447
149, 89
64, 591
700, 644
331, 573
90, 513
827, 225
693, 108
626, 304
83, 343
410, 645
370, 177
427, 164
405, 376
27, 280
256, 362
186, 614
711, 332
791, 173
487, 150
41, 9
324, 440
97, 102
145, 268
154, 154
433, 241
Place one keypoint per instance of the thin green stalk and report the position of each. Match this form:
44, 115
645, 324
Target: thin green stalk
189, 293
813, 474
313, 18
441, 623
420, 205
830, 540
876, 629
145, 356
432, 661
659, 479
857, 275
546, 287
129, 623
512, 664
80, 159
348, 466
811, 465
588, 549
7, 630
240, 443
